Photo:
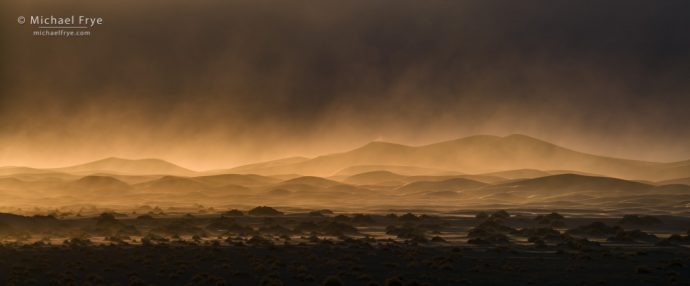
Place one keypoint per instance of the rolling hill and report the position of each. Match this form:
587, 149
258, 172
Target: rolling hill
127, 166
480, 154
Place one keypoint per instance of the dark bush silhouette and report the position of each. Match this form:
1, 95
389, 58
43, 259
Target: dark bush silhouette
595, 229
552, 219
264, 211
502, 214
362, 219
393, 281
408, 217
633, 236
145, 217
107, 219
233, 213
332, 281
639, 220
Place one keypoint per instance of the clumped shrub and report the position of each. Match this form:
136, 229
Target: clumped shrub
233, 213
315, 213
332, 281
393, 281
502, 214
639, 220
490, 231
408, 217
595, 229
490, 227
362, 219
337, 228
306, 226
409, 232
259, 240
77, 242
275, 230
179, 229
264, 211
145, 217
552, 219
580, 244
633, 236
107, 219
230, 226
496, 238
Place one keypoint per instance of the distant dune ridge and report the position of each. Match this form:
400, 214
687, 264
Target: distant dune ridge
478, 154
513, 157
478, 171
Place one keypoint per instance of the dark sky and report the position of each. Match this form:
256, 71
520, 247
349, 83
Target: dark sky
216, 83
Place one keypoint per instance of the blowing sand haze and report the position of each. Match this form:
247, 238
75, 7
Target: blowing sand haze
538, 142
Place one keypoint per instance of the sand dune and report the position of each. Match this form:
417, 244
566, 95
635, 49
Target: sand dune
480, 154
126, 166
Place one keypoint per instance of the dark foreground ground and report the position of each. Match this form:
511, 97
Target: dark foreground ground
272, 248
340, 264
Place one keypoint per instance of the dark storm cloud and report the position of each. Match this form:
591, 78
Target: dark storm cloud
259, 79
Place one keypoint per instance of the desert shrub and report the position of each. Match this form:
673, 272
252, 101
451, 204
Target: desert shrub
481, 215
128, 230
393, 281
362, 219
145, 217
639, 220
580, 244
633, 236
77, 242
408, 217
264, 211
595, 229
259, 240
6, 229
179, 228
341, 218
275, 230
489, 227
407, 231
306, 226
233, 213
501, 214
107, 220
332, 281
495, 238
552, 219
271, 281
544, 234
337, 228
315, 213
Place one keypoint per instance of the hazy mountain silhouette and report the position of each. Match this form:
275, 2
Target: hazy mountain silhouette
236, 179
481, 154
454, 184
261, 165
173, 184
98, 184
402, 170
393, 179
684, 181
572, 183
126, 166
